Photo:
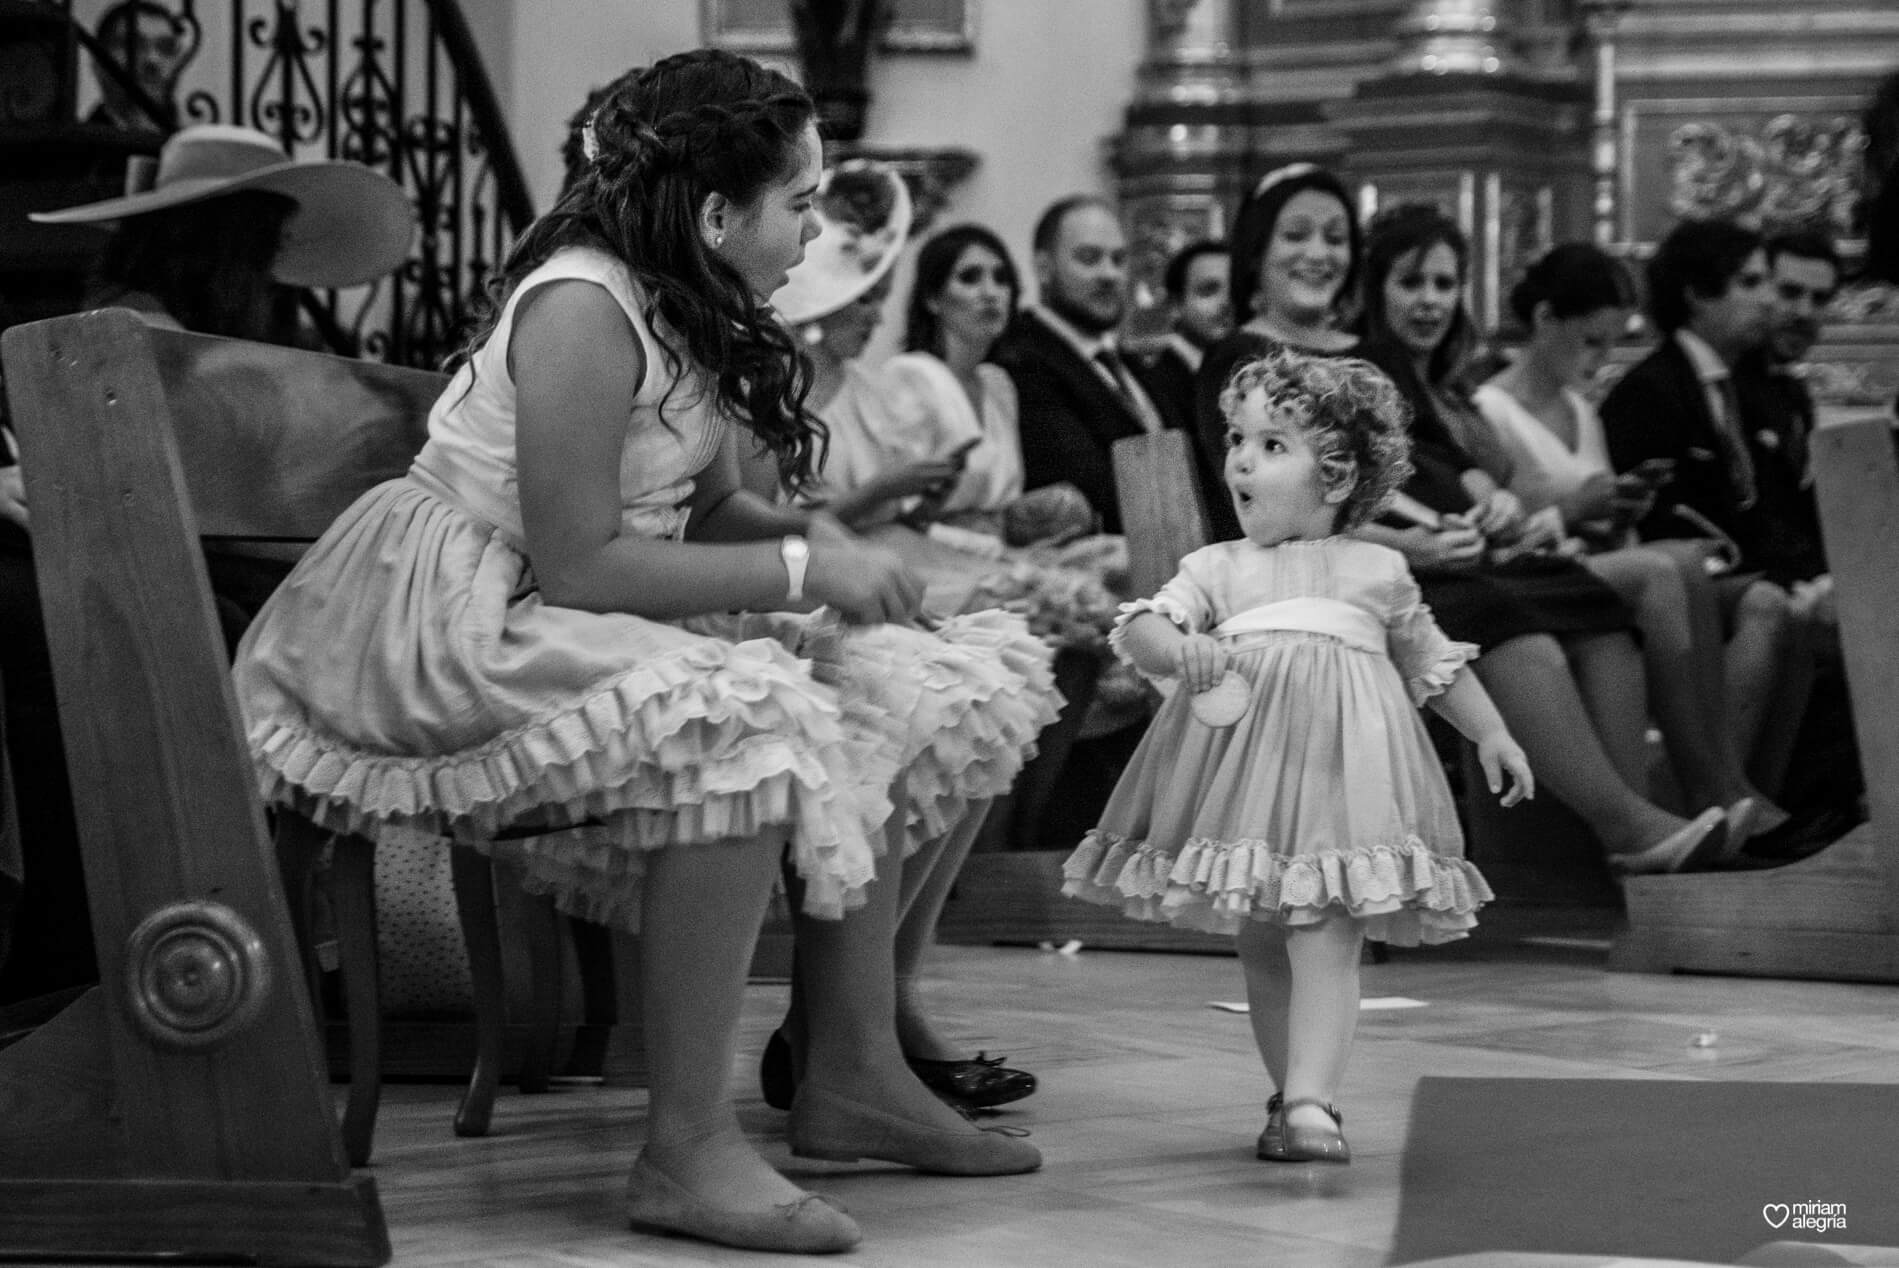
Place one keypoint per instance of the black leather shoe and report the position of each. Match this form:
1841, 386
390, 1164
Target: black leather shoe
776, 1082
979, 1083
1803, 835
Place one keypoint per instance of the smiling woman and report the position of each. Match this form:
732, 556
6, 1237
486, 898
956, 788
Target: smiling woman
1293, 261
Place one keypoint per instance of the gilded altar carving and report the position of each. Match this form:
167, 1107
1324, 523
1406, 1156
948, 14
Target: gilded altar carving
1794, 171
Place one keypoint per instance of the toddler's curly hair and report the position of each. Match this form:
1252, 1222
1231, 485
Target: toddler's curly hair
1350, 413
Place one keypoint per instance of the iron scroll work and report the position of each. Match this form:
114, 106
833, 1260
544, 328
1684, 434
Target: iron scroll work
394, 84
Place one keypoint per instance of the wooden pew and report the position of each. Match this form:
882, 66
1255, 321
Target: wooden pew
1834, 915
182, 1106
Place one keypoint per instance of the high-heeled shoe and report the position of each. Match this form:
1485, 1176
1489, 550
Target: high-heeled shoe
1315, 1144
812, 1225
1272, 1140
981, 1082
776, 1082
1697, 842
827, 1126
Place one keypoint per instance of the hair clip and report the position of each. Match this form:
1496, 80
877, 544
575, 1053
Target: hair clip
589, 141
1279, 174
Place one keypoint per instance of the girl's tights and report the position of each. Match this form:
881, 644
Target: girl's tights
702, 908
1302, 996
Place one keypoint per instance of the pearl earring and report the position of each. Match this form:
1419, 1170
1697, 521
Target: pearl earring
718, 240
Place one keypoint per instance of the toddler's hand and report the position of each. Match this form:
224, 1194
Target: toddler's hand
1498, 753
1200, 660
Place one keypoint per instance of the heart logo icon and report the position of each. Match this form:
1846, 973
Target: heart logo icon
1775, 1213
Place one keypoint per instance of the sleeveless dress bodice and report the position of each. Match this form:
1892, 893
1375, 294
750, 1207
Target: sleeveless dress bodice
672, 435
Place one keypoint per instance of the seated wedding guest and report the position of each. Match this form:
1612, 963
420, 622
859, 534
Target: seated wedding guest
1078, 393
152, 45
871, 472
1816, 761
1803, 277
655, 685
1556, 652
1708, 295
209, 239
1195, 283
1881, 124
1575, 301
1291, 267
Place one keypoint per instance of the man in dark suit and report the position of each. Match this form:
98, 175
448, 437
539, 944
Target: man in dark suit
1709, 298
1078, 395
1691, 403
1804, 273
1196, 285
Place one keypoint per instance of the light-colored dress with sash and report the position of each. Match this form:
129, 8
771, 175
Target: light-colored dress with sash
1326, 797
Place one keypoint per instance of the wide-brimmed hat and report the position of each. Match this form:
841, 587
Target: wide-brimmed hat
865, 209
351, 226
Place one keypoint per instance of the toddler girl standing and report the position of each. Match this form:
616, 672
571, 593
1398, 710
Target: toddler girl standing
1321, 815
541, 643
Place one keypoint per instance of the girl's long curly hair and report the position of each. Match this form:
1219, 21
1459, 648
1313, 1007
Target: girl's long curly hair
662, 140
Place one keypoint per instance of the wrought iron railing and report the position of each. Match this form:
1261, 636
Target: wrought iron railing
395, 84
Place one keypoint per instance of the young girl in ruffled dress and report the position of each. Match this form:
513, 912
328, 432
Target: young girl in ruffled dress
561, 638
1286, 791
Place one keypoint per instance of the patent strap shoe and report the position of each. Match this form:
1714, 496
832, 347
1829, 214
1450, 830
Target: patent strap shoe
827, 1126
812, 1225
1315, 1144
776, 1083
1691, 847
982, 1082
1272, 1141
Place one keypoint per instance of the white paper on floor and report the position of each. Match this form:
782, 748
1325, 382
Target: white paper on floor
1374, 1004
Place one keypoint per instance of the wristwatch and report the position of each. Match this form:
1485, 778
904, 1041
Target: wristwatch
796, 553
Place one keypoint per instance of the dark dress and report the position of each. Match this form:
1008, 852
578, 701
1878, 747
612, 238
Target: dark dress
1488, 606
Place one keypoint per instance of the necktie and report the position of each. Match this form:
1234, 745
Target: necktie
1730, 434
1110, 360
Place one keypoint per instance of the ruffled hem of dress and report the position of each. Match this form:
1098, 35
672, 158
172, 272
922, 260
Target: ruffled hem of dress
984, 694
1437, 677
711, 743
1403, 892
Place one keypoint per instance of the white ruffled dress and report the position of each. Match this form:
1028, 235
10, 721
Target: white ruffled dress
1326, 797
408, 678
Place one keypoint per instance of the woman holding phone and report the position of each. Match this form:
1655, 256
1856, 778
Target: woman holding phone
1575, 302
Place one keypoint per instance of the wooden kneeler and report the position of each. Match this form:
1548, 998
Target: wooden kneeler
1834, 915
181, 1106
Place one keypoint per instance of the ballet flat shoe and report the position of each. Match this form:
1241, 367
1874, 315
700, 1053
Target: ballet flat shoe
981, 1082
776, 1082
1272, 1141
1700, 841
812, 1225
1316, 1144
835, 1129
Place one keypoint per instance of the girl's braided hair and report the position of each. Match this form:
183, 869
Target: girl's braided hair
1350, 413
658, 142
